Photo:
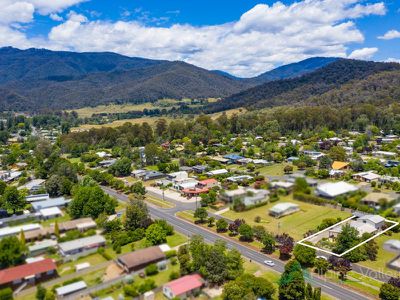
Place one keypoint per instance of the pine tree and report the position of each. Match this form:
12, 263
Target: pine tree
22, 238
56, 229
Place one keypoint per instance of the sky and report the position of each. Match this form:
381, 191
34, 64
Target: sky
242, 37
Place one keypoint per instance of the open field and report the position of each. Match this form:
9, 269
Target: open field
297, 224
87, 112
151, 120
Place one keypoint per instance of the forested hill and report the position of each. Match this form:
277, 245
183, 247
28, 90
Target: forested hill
36, 79
313, 87
295, 69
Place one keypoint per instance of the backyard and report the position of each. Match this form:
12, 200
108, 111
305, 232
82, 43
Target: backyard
296, 225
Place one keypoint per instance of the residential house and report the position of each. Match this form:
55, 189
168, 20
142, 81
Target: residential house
335, 189
184, 287
41, 247
82, 246
233, 158
314, 155
199, 169
50, 213
37, 197
219, 159
107, 163
368, 176
286, 185
51, 202
178, 176
138, 173
152, 175
208, 183
340, 166
33, 185
365, 224
28, 273
384, 154
283, 209
16, 230
248, 196
373, 199
217, 172
139, 259
239, 178
71, 288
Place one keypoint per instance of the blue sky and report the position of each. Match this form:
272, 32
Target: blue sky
241, 37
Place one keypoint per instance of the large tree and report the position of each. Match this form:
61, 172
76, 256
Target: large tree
291, 283
91, 201
122, 167
137, 215
304, 255
12, 252
13, 199
155, 234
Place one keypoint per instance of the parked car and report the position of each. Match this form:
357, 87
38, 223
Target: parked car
269, 263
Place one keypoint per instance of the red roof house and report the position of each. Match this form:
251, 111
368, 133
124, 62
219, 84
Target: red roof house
208, 183
28, 272
183, 287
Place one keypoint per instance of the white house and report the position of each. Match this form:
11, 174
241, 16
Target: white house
217, 172
283, 209
335, 189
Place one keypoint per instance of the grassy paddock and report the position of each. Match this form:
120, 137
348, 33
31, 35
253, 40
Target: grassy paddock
297, 224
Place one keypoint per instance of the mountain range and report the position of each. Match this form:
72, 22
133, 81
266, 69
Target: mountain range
340, 82
40, 79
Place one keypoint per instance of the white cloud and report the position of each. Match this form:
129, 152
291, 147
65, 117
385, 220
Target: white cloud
46, 7
390, 35
56, 17
264, 37
364, 53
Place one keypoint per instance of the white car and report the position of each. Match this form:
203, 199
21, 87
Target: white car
269, 263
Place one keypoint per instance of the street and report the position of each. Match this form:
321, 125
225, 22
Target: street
189, 229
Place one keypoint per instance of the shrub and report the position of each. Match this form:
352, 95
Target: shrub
151, 270
174, 275
170, 253
6, 294
130, 291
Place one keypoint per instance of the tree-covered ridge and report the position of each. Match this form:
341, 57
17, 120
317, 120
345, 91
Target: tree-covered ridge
310, 86
37, 79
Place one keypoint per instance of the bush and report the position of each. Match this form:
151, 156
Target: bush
174, 261
130, 291
146, 286
309, 198
174, 275
257, 219
6, 294
170, 253
151, 270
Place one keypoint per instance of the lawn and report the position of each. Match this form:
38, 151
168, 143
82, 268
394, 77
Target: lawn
158, 202
274, 169
160, 279
174, 240
297, 224
383, 256
358, 282
93, 259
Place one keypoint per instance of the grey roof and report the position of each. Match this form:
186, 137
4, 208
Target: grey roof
70, 288
52, 202
282, 207
81, 243
372, 218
